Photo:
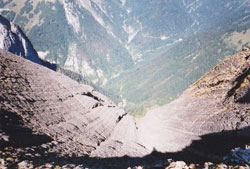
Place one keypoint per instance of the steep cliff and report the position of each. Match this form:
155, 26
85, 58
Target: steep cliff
13, 39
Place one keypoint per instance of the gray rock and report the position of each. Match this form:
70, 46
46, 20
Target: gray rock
208, 106
78, 119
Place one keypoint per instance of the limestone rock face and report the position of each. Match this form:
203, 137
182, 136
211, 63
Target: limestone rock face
79, 120
13, 40
219, 101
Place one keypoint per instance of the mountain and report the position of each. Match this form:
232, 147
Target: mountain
13, 39
48, 119
146, 52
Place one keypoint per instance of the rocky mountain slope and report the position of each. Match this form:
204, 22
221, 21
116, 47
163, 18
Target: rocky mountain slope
127, 46
13, 39
80, 120
217, 102
49, 119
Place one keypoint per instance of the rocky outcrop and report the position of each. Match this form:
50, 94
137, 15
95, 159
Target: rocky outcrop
13, 39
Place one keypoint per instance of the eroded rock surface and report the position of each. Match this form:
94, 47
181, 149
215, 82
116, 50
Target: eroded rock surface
219, 101
80, 120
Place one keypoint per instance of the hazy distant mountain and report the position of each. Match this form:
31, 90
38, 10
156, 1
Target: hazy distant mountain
146, 52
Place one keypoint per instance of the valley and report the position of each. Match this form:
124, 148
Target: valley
48, 120
144, 53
